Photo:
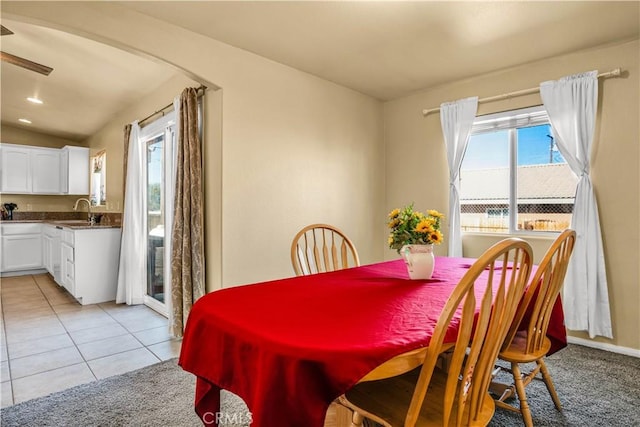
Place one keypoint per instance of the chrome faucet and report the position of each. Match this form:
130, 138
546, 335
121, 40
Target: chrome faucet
75, 208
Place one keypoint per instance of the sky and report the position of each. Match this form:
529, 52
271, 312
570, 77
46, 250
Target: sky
155, 160
490, 150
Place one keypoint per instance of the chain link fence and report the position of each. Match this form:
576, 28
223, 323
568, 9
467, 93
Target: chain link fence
494, 217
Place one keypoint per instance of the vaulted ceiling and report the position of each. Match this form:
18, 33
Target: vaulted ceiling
90, 81
385, 49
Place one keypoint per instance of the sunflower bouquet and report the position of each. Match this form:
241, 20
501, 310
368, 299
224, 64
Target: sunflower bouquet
409, 227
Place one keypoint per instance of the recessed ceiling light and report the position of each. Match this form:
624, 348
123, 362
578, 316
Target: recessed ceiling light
34, 100
25, 121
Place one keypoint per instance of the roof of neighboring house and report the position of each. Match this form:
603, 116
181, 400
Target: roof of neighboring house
548, 183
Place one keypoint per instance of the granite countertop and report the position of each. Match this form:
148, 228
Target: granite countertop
81, 224
75, 220
74, 224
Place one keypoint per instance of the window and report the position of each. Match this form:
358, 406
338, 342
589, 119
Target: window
99, 179
513, 177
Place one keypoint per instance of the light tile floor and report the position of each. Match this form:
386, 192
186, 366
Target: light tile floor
50, 342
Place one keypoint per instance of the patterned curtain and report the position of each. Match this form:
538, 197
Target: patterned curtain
187, 237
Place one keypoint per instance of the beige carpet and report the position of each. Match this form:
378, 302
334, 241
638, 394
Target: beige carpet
597, 388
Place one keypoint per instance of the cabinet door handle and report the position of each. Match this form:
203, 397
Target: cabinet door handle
58, 227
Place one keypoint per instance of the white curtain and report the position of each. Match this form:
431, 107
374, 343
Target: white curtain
572, 105
456, 118
132, 271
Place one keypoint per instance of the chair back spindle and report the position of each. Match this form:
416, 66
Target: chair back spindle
319, 248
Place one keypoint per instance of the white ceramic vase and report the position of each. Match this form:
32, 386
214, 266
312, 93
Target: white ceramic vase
419, 260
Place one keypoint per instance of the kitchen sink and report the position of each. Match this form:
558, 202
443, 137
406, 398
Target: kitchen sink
72, 223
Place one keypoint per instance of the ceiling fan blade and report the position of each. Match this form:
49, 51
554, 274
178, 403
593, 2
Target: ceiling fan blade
5, 31
25, 63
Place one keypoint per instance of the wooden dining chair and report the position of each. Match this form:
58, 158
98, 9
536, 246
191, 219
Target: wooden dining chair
527, 342
319, 248
430, 396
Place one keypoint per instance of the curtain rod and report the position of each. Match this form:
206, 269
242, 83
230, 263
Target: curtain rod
613, 73
166, 107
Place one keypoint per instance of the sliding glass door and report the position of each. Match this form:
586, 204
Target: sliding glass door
155, 218
159, 144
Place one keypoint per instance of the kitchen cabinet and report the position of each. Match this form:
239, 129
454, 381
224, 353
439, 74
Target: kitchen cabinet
45, 171
75, 170
16, 169
21, 247
89, 263
39, 170
51, 249
67, 267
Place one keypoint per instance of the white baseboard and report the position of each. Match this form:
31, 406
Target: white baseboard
23, 272
604, 346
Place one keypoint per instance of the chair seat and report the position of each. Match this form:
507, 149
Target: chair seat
389, 400
517, 353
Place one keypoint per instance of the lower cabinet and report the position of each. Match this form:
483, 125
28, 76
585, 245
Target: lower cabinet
67, 268
89, 261
21, 247
51, 249
82, 260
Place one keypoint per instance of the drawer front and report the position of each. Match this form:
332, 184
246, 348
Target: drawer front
67, 236
68, 280
70, 270
67, 268
51, 230
67, 253
21, 228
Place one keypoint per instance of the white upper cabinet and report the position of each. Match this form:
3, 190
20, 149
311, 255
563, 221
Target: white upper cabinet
75, 170
45, 171
16, 169
39, 170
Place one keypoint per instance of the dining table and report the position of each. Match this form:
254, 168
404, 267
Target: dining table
290, 347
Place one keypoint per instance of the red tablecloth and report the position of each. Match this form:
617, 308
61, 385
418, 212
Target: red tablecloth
290, 347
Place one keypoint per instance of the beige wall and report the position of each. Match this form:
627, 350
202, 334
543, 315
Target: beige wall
296, 149
423, 176
18, 135
36, 203
111, 137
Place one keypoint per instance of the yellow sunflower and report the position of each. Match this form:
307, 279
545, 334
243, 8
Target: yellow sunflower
430, 220
394, 213
436, 237
425, 226
435, 213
